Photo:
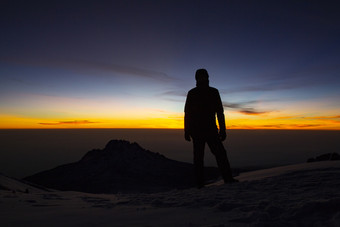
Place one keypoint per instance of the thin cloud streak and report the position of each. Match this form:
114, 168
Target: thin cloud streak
251, 111
329, 119
280, 126
244, 109
276, 85
323, 117
335, 118
75, 122
238, 105
174, 93
92, 66
261, 88
287, 126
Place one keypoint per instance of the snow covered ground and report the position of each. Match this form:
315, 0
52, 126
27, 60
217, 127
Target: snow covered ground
306, 194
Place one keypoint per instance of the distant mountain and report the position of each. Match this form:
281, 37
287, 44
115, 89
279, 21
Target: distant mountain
120, 167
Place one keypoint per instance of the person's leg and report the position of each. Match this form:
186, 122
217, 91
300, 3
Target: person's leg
199, 161
217, 148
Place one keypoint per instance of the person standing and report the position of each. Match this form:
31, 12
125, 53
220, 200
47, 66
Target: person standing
202, 105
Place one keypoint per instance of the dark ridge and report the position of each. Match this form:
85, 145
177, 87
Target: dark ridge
325, 157
121, 167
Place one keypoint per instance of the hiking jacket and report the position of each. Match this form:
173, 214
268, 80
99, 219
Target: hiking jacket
202, 105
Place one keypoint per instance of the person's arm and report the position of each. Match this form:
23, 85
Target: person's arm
186, 131
187, 119
220, 118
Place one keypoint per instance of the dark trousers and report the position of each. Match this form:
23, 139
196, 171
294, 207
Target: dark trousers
217, 148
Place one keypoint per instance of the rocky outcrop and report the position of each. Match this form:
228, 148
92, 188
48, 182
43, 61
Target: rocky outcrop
325, 157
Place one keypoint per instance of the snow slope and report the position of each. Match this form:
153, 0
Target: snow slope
16, 185
298, 195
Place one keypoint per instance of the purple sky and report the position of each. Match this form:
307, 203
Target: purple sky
61, 60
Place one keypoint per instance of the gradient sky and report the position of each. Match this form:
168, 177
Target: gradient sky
129, 64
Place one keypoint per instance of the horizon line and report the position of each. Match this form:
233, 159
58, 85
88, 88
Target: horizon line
276, 129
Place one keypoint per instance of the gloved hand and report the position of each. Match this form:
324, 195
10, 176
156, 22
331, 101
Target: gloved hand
222, 135
187, 136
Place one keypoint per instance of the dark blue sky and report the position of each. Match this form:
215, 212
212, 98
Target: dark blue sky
64, 61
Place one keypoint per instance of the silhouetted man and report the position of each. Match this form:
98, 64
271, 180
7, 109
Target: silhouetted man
202, 105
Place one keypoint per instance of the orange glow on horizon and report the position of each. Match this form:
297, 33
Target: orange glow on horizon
172, 121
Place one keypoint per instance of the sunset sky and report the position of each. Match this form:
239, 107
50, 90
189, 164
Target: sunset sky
130, 64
